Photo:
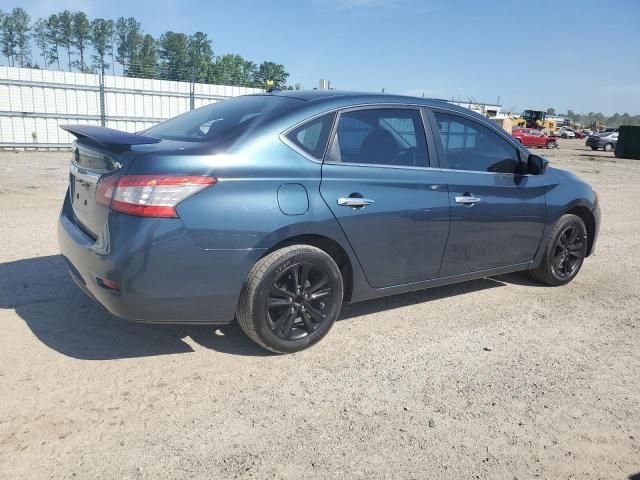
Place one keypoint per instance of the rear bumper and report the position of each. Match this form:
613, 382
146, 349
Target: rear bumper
164, 276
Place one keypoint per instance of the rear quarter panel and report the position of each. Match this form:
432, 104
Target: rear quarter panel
242, 211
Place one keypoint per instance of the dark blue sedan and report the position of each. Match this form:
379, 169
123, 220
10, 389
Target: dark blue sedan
275, 208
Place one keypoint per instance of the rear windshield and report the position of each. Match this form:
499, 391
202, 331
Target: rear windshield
223, 119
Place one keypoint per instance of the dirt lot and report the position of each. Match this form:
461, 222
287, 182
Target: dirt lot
497, 378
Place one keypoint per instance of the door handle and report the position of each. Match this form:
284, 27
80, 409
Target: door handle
467, 200
354, 202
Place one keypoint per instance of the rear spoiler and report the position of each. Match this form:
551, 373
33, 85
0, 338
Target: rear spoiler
108, 136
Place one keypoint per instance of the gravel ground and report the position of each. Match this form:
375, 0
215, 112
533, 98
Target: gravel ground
496, 378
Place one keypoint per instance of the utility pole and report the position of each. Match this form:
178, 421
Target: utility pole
192, 92
103, 114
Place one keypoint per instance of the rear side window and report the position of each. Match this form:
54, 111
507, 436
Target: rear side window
312, 136
380, 136
471, 146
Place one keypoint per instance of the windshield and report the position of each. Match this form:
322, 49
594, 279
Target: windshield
223, 119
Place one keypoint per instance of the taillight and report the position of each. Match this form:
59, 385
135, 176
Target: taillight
150, 195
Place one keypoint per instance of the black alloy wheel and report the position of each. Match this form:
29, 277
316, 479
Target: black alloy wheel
291, 299
569, 253
565, 252
299, 301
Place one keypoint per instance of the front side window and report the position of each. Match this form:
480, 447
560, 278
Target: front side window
312, 136
469, 145
380, 136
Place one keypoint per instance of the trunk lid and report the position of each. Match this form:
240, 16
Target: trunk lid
98, 153
102, 155
89, 165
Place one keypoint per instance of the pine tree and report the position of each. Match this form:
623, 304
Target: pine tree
81, 32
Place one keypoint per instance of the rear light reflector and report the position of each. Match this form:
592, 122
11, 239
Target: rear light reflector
108, 284
150, 195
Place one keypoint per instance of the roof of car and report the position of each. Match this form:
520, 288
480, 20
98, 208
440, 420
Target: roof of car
373, 97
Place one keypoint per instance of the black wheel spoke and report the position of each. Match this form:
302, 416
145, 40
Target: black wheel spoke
288, 324
315, 314
278, 302
319, 284
562, 241
573, 236
320, 294
557, 262
277, 325
295, 274
577, 247
308, 324
304, 275
280, 292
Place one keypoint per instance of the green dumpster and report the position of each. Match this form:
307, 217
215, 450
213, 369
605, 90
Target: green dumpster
628, 142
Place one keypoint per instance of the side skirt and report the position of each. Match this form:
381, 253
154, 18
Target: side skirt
437, 282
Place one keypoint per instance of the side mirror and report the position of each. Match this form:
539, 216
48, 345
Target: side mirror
537, 165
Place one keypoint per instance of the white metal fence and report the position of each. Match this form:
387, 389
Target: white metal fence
34, 103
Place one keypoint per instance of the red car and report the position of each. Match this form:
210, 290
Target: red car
530, 137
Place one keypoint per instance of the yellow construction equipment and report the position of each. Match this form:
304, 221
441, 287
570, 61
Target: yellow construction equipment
536, 119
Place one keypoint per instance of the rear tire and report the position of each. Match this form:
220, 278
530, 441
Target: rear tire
564, 254
291, 299
608, 147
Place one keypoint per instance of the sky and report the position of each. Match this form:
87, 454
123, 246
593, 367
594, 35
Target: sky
582, 55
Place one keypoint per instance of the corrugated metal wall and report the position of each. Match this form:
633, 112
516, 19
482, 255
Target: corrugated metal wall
34, 103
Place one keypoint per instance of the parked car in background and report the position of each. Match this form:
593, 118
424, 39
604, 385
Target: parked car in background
606, 141
578, 133
566, 132
275, 208
530, 137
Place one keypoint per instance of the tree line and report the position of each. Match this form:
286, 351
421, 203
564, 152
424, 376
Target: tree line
71, 41
595, 118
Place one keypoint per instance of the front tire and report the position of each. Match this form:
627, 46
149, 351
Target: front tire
291, 299
608, 147
565, 252
594, 148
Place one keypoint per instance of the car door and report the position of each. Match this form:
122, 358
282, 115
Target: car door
540, 139
533, 138
393, 209
497, 213
527, 138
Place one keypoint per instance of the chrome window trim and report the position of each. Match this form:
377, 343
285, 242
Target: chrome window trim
395, 167
435, 169
421, 107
